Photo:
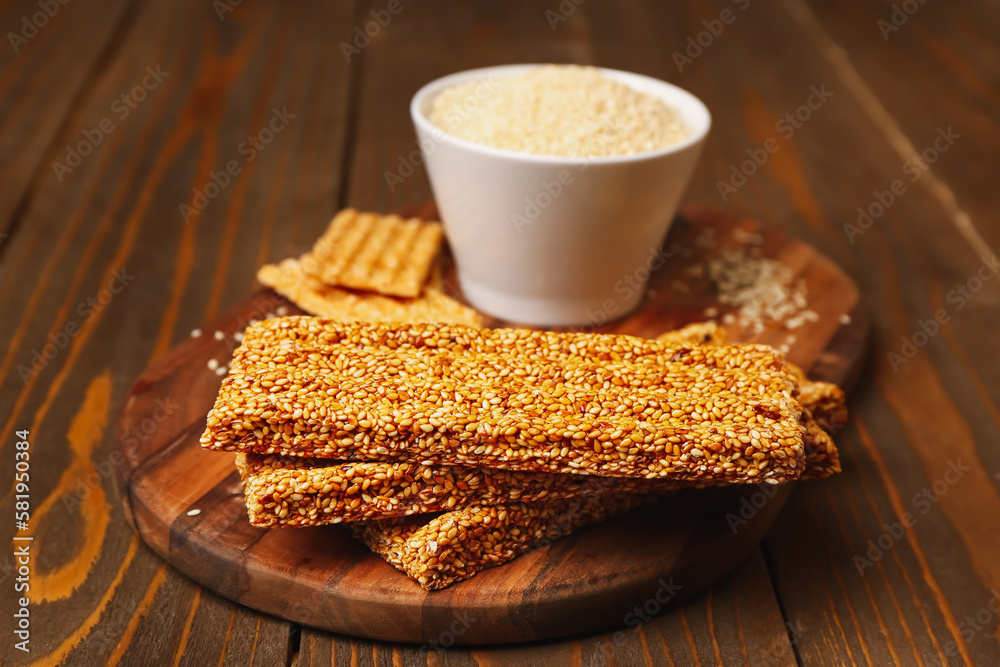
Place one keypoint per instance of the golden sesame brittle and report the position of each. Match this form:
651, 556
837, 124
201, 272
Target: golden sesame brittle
511, 399
437, 551
706, 333
298, 491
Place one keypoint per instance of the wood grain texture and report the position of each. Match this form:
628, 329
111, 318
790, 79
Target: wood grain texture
49, 56
727, 626
187, 503
101, 595
66, 238
907, 426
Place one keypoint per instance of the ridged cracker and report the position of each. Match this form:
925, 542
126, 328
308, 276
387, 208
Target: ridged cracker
380, 253
290, 280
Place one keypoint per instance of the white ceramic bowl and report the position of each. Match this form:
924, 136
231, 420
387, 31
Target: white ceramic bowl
556, 240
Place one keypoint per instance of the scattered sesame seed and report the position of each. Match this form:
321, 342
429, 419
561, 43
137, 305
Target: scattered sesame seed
706, 239
281, 310
783, 348
695, 270
747, 238
711, 312
728, 318
238, 336
844, 319
221, 370
193, 512
212, 364
195, 333
219, 335
763, 290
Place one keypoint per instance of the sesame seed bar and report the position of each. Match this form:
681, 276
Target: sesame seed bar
297, 491
822, 457
706, 333
510, 399
437, 551
826, 401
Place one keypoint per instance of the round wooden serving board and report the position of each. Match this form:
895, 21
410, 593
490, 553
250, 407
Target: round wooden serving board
187, 504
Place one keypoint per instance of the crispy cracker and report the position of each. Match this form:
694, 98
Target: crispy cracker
290, 280
379, 253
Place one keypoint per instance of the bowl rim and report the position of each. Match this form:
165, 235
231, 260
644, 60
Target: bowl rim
439, 134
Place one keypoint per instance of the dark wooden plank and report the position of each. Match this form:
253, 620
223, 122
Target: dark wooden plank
50, 53
907, 426
119, 212
186, 625
726, 626
931, 67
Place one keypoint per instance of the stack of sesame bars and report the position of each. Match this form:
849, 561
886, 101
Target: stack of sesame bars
449, 449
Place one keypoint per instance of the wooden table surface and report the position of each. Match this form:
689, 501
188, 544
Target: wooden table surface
115, 116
